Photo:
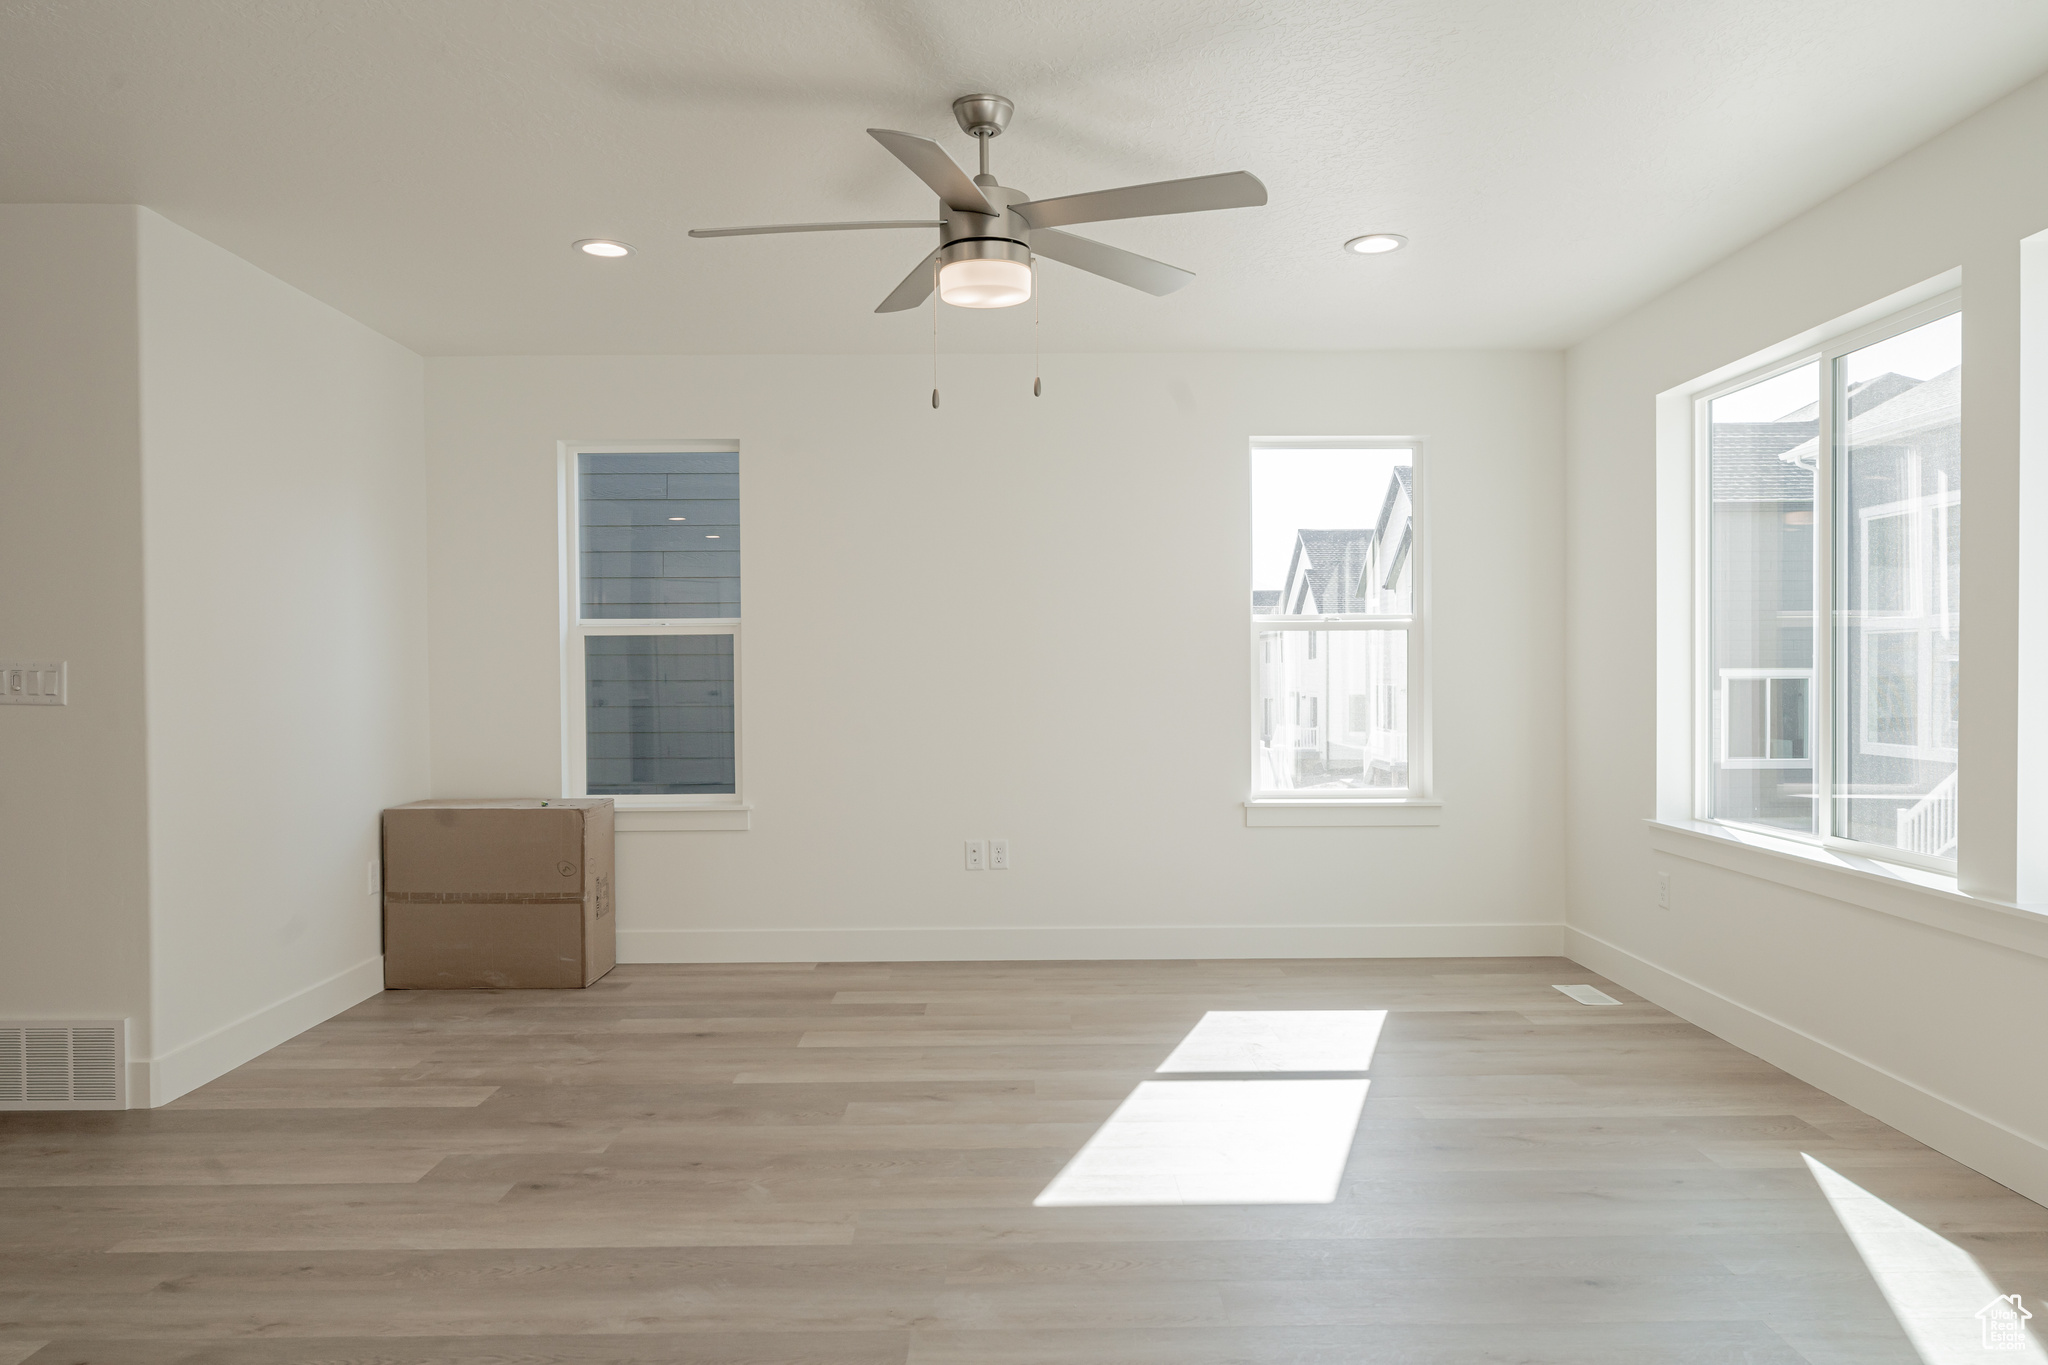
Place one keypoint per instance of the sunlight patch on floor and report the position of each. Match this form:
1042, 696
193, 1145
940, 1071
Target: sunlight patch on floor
1937, 1290
1217, 1142
1279, 1040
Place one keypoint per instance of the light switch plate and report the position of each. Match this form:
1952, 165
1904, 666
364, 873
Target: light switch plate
32, 684
977, 855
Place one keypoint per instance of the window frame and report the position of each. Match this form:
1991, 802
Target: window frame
576, 629
1420, 790
1827, 570
1926, 542
1767, 676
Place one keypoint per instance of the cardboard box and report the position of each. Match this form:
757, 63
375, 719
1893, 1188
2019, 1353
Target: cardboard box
498, 895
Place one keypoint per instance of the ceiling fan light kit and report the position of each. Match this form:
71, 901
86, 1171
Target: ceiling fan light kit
988, 272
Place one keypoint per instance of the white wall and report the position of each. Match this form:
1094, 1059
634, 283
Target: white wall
1927, 1028
74, 893
283, 483
937, 649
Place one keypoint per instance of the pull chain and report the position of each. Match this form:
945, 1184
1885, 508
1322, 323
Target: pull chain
1037, 384
935, 334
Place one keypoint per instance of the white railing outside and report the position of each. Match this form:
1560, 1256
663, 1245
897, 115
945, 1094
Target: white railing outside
1929, 827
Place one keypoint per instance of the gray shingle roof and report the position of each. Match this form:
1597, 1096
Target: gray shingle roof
1922, 406
1334, 560
1747, 464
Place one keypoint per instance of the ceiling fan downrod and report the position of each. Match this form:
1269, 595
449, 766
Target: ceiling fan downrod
983, 118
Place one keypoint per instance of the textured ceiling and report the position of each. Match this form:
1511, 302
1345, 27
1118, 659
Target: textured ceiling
424, 165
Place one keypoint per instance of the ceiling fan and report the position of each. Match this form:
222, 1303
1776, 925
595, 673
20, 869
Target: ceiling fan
988, 233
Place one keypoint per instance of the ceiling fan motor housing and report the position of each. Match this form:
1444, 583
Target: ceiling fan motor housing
963, 227
985, 249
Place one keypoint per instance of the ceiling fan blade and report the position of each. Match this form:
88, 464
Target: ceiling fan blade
1231, 190
928, 161
1110, 262
915, 289
811, 227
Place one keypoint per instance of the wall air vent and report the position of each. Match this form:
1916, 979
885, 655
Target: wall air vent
63, 1064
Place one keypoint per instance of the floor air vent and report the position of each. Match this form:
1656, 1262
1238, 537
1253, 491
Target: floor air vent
51, 1064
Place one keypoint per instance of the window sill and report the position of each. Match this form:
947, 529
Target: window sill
1909, 893
1281, 813
672, 819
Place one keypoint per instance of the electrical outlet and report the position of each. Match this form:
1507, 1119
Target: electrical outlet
373, 883
977, 855
1663, 890
999, 855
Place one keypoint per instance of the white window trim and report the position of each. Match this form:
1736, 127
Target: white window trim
1821, 697
1881, 884
1415, 804
707, 811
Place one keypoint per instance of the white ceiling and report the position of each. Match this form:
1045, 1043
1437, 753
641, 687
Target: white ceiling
424, 164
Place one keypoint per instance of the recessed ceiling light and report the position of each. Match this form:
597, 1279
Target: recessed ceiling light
1376, 243
678, 518
711, 537
603, 246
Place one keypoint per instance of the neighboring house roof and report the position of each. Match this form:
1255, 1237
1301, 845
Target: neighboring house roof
1747, 464
1335, 563
1330, 561
1401, 485
1265, 601
1928, 405
1863, 395
1395, 563
1400, 488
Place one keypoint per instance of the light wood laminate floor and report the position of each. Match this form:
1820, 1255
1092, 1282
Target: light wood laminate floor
837, 1163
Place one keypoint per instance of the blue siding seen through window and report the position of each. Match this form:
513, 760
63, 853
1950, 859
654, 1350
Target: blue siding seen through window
659, 711
660, 535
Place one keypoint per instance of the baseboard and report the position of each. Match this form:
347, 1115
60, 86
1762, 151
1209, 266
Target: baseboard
1067, 943
1952, 1128
184, 1069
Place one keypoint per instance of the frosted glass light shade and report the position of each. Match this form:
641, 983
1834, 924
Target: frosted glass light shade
985, 283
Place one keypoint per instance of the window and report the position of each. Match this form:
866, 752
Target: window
1763, 719
1334, 625
1832, 640
653, 640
